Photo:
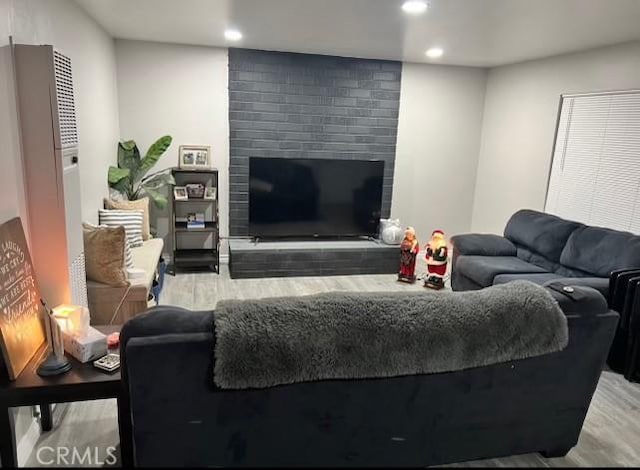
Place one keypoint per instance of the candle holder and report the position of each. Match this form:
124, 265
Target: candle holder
56, 363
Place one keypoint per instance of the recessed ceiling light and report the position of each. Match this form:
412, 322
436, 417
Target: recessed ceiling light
434, 53
233, 35
414, 7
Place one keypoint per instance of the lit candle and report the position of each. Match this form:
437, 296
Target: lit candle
69, 317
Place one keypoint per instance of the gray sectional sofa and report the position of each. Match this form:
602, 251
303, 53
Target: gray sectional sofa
541, 247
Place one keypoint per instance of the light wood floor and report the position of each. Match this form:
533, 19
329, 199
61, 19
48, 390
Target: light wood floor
610, 437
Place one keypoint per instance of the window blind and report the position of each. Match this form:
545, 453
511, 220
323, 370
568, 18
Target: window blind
595, 172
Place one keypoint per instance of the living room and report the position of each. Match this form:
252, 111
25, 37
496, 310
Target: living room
314, 207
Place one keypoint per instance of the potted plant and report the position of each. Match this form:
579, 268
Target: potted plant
130, 177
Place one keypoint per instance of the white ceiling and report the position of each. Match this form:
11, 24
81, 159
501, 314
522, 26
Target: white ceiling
472, 32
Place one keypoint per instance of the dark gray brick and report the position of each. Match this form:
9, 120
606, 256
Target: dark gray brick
360, 112
393, 86
362, 103
392, 76
389, 104
386, 95
360, 93
345, 101
387, 123
346, 82
369, 84
384, 113
365, 121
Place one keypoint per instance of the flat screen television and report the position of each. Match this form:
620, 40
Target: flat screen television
314, 198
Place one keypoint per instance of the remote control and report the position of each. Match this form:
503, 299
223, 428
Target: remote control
108, 363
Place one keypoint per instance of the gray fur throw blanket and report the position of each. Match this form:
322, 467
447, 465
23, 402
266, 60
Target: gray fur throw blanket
342, 335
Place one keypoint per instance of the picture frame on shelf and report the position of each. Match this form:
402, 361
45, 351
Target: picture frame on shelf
194, 157
210, 193
195, 190
180, 193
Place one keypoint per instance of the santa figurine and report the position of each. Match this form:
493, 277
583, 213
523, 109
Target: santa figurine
437, 258
408, 253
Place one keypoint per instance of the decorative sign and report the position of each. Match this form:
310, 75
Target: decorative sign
21, 330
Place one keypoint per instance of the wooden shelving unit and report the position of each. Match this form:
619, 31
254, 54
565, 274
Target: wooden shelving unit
195, 248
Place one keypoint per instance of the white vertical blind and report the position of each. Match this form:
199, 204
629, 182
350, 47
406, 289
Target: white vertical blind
595, 174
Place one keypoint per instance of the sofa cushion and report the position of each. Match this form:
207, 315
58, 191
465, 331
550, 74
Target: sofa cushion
532, 257
537, 278
483, 269
566, 271
599, 251
539, 232
483, 244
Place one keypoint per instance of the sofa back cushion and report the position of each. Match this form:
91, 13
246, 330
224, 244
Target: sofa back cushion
532, 257
540, 233
599, 250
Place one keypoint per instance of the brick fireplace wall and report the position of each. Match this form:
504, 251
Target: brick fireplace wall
308, 106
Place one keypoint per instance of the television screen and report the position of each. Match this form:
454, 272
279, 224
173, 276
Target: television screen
314, 197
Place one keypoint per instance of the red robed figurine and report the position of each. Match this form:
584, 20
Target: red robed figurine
408, 253
437, 258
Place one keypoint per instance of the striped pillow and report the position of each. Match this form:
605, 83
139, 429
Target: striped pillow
128, 258
130, 220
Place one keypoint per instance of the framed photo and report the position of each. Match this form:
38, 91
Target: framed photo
210, 192
180, 192
194, 157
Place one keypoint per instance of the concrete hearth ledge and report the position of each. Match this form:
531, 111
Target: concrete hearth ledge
248, 259
243, 244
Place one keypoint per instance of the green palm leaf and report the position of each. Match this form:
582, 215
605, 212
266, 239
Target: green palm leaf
159, 199
154, 153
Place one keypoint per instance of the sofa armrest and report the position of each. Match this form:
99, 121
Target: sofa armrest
601, 284
163, 320
577, 299
482, 244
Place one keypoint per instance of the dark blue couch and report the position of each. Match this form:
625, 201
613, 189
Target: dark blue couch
540, 247
178, 417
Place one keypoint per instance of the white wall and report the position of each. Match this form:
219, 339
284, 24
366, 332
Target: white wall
63, 24
520, 119
437, 149
181, 91
12, 196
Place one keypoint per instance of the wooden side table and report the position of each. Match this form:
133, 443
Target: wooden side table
82, 383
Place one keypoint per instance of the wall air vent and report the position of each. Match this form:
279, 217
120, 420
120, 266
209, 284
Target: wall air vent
66, 106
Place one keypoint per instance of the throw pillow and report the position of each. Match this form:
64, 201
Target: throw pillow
138, 205
129, 219
128, 257
104, 249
